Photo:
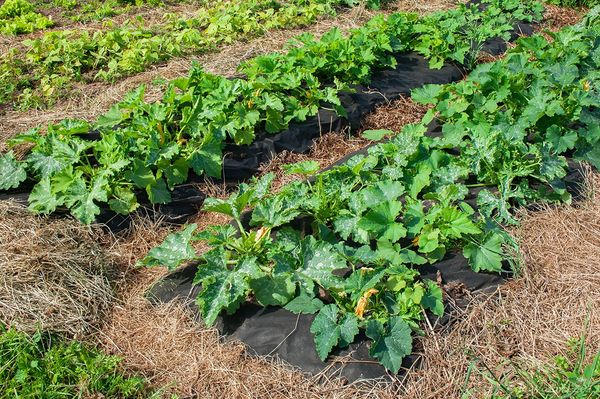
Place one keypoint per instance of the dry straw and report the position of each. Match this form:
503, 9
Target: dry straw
53, 274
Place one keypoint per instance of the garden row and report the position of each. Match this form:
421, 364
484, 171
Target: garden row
96, 10
23, 16
156, 146
20, 16
49, 66
346, 244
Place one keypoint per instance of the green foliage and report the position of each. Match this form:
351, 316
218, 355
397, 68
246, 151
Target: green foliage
390, 343
331, 331
574, 3
96, 10
53, 62
153, 147
11, 173
441, 36
370, 222
522, 115
59, 58
19, 16
42, 366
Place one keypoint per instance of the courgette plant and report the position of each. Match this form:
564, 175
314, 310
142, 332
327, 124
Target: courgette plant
506, 133
153, 147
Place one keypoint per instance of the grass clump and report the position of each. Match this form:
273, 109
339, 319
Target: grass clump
42, 366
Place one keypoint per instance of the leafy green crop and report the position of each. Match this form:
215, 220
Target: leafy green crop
523, 115
153, 147
59, 58
52, 63
574, 3
19, 16
93, 10
42, 366
370, 222
460, 34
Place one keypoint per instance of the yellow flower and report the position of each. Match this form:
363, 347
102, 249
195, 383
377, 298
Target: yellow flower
363, 301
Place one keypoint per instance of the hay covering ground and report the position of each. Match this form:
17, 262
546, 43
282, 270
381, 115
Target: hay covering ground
54, 274
62, 276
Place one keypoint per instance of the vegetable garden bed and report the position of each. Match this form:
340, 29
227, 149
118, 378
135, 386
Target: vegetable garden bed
358, 234
155, 147
361, 257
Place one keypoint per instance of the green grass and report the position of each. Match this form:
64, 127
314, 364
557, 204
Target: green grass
42, 366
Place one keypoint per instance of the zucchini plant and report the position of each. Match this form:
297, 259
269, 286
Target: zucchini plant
368, 224
154, 146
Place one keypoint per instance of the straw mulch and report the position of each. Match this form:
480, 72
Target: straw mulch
54, 274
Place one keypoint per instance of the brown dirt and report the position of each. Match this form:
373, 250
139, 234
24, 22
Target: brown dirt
90, 100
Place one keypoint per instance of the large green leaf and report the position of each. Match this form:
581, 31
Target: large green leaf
330, 330
561, 139
433, 299
304, 304
158, 192
42, 199
426, 94
84, 205
141, 174
276, 290
302, 168
274, 212
12, 172
485, 254
381, 221
319, 260
222, 289
391, 342
123, 201
173, 251
207, 160
46, 165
